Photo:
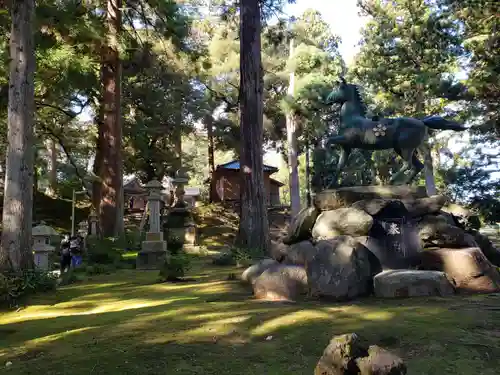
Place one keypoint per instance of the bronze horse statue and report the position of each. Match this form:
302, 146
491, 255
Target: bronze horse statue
403, 134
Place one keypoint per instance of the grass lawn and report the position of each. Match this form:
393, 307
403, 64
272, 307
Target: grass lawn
126, 323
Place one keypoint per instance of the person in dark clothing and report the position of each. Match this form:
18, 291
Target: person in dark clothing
65, 254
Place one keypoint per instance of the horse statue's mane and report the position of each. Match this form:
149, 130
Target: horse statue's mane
362, 105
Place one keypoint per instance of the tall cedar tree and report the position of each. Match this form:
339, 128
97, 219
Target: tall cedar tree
15, 253
254, 226
110, 159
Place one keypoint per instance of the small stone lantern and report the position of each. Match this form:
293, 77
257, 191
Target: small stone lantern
94, 221
83, 228
41, 245
180, 180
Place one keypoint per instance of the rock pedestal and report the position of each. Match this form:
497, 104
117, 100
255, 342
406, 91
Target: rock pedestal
154, 249
393, 241
41, 245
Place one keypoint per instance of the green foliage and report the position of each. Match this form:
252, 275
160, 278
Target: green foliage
238, 256
99, 269
225, 258
15, 286
175, 267
104, 251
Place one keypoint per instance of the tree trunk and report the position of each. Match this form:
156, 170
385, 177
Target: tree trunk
430, 182
291, 135
308, 177
178, 151
210, 135
17, 217
253, 230
110, 132
211, 158
52, 148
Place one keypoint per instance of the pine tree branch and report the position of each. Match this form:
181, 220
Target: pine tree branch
59, 139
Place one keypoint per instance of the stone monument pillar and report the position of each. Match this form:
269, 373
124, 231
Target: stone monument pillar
154, 248
41, 245
94, 221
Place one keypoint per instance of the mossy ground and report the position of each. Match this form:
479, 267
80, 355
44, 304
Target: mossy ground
126, 323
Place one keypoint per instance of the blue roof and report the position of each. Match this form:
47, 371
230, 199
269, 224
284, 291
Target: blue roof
235, 165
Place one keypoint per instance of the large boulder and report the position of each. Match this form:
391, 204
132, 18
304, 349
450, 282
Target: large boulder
412, 283
489, 250
343, 221
469, 269
255, 270
281, 283
424, 206
435, 231
341, 269
301, 226
372, 206
348, 354
465, 218
346, 196
412, 207
299, 253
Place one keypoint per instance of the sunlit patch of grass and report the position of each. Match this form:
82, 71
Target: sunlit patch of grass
127, 323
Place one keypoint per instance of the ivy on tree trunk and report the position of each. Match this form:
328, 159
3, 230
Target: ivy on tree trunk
254, 226
17, 217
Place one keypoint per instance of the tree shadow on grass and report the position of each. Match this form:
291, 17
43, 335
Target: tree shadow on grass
217, 328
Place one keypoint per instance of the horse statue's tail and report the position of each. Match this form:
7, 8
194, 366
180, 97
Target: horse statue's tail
440, 123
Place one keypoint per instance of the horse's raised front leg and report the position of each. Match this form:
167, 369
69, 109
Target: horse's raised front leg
344, 155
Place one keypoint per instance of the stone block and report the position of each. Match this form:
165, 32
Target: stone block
346, 196
151, 236
152, 255
147, 260
412, 283
153, 246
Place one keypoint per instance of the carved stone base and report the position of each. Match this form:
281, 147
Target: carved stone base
152, 255
346, 196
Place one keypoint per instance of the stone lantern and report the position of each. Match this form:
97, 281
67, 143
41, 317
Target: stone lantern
94, 221
41, 245
180, 180
180, 220
83, 228
154, 248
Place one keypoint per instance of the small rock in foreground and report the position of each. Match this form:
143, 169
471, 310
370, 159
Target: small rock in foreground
349, 355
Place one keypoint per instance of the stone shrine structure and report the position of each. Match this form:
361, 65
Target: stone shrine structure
154, 249
180, 224
42, 235
94, 223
